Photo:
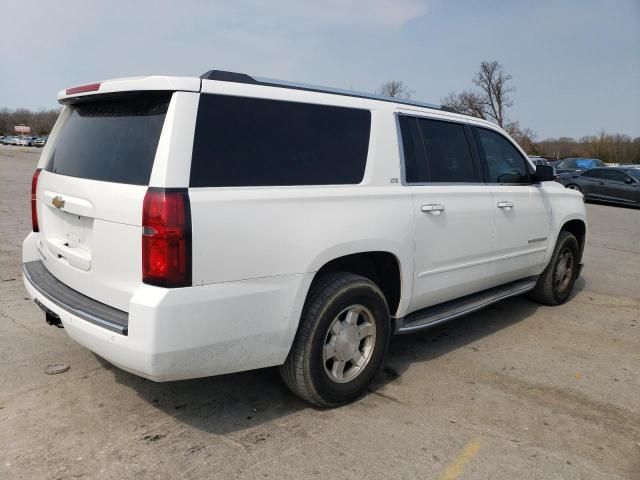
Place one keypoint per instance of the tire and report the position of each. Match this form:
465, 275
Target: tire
556, 282
343, 313
573, 186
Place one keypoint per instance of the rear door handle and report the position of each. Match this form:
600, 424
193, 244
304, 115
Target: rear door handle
433, 208
507, 205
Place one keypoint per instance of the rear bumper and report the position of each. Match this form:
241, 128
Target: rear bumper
74, 302
175, 334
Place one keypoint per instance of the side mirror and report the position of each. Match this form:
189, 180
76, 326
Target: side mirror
628, 181
545, 173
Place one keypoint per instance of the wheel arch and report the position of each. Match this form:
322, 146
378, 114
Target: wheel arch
578, 228
381, 267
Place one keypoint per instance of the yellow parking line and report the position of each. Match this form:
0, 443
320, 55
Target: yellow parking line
455, 468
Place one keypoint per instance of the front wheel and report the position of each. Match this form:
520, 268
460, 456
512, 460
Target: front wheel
341, 341
556, 282
573, 186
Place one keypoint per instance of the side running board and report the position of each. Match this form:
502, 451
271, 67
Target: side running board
443, 312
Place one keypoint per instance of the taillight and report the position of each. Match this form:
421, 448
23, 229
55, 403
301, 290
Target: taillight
34, 210
166, 237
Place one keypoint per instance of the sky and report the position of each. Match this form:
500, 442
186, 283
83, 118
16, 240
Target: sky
575, 63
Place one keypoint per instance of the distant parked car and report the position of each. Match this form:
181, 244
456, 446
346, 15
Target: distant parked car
570, 165
41, 141
538, 160
24, 141
608, 184
10, 140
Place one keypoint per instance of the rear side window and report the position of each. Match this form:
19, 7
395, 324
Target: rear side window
243, 141
112, 139
504, 162
448, 152
593, 174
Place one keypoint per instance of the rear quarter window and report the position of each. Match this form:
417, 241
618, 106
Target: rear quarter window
111, 139
258, 142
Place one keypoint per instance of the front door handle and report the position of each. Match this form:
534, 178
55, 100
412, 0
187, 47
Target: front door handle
507, 205
433, 208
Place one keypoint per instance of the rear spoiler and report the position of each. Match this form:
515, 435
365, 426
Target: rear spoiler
184, 84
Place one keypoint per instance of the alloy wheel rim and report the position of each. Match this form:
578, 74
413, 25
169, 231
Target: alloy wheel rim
349, 343
563, 270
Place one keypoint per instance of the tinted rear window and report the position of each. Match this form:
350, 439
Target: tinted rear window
111, 139
256, 142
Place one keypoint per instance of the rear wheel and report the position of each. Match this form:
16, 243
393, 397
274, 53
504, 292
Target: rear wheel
556, 282
573, 186
341, 341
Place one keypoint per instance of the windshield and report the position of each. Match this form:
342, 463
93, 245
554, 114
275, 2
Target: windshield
580, 163
111, 139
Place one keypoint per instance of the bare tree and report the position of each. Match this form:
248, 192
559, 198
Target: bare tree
492, 80
394, 89
469, 103
525, 137
607, 147
491, 100
40, 122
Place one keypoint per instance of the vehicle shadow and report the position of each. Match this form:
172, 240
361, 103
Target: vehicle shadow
439, 340
235, 402
219, 405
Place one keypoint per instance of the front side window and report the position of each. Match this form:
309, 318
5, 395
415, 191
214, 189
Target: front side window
505, 164
242, 141
448, 153
614, 175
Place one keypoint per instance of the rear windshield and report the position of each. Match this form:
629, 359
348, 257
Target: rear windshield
580, 163
111, 139
256, 142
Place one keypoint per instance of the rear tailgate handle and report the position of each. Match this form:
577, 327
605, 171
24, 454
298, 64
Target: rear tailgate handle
66, 203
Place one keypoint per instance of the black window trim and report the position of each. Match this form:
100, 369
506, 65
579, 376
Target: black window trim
485, 168
480, 174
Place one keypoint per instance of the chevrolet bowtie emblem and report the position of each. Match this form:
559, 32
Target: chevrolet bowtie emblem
57, 202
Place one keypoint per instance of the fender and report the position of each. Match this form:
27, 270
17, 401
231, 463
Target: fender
342, 250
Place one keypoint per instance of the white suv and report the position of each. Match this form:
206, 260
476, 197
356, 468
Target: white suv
187, 227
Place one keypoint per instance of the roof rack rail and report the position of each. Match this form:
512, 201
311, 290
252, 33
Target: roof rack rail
235, 77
